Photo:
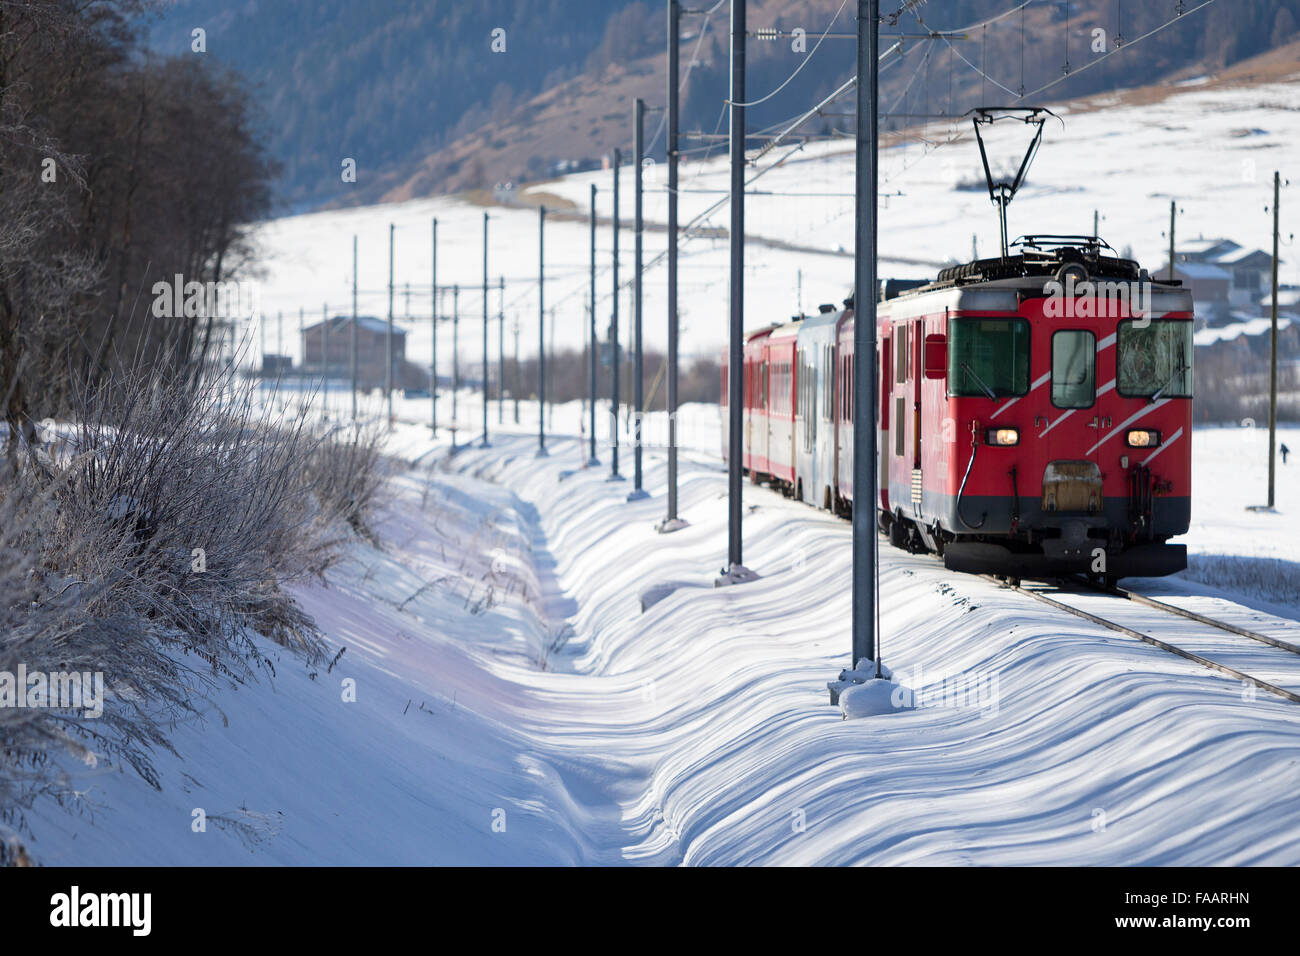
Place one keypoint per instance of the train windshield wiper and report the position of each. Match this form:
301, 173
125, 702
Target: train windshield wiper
978, 381
1179, 370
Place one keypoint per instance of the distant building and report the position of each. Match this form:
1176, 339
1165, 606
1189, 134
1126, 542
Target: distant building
371, 338
1223, 276
1209, 284
273, 364
1252, 275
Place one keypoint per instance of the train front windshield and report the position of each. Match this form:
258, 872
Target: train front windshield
988, 357
1154, 359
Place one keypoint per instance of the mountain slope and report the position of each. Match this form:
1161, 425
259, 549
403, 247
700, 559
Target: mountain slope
414, 94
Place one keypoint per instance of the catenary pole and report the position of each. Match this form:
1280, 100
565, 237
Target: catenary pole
595, 342
433, 347
501, 350
865, 540
354, 328
613, 337
674, 33
735, 371
638, 374
1173, 216
541, 330
388, 336
1272, 368
325, 362
455, 361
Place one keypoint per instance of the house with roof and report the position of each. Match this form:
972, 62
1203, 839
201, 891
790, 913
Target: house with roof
1210, 285
1252, 275
1223, 276
329, 343
1288, 300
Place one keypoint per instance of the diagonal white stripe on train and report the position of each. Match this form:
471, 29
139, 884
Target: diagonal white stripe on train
1172, 438
1038, 383
1101, 391
1126, 422
1057, 422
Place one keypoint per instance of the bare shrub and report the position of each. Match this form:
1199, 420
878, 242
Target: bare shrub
151, 547
345, 471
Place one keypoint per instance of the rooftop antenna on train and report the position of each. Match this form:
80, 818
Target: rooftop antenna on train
1001, 193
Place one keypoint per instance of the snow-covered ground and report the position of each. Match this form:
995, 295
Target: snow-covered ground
1214, 150
514, 704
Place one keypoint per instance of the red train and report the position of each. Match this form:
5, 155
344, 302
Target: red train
1034, 415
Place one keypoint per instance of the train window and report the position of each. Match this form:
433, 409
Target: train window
1074, 369
826, 406
900, 409
848, 389
988, 357
801, 384
828, 385
807, 399
1154, 360
901, 354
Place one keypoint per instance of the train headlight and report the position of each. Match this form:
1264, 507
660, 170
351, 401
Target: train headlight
1143, 438
1002, 436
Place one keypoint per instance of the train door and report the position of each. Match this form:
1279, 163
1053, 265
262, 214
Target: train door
747, 388
764, 400
724, 398
837, 422
1072, 476
914, 343
806, 473
826, 452
810, 426
844, 469
898, 470
886, 367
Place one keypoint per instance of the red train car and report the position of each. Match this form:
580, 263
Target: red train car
769, 391
756, 381
1034, 414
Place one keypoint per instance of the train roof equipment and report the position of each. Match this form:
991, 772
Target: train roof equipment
1002, 192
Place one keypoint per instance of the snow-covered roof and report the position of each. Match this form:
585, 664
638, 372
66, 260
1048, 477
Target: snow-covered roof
1229, 333
1239, 256
1203, 270
367, 322
1286, 298
1207, 247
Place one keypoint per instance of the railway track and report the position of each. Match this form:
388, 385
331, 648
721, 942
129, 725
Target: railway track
1220, 646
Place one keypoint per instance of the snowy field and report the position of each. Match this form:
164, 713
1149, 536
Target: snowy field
1214, 150
515, 705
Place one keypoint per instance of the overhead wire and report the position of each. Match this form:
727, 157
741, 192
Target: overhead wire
1101, 59
686, 75
691, 231
806, 60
